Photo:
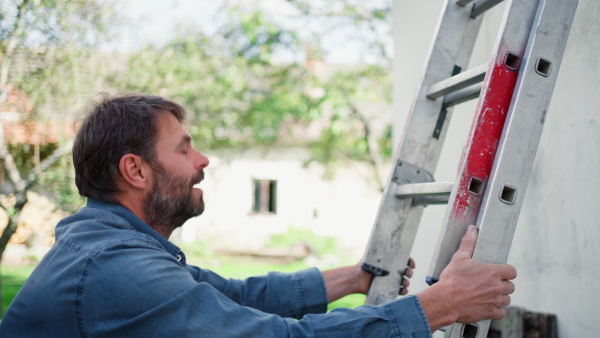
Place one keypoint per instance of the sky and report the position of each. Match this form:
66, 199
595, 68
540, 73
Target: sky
156, 20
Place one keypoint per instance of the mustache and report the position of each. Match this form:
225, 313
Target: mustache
199, 177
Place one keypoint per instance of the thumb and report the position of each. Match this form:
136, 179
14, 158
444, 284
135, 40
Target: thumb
467, 244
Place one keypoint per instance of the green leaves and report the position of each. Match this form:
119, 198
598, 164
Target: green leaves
235, 92
240, 93
239, 85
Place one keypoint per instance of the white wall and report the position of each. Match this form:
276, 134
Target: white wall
556, 248
343, 206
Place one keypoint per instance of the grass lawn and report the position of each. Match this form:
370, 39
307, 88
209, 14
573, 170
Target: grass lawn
12, 281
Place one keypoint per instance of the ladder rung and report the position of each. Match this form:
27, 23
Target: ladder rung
457, 82
431, 189
431, 200
482, 6
463, 95
463, 3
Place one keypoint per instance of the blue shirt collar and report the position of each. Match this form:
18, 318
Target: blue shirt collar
138, 225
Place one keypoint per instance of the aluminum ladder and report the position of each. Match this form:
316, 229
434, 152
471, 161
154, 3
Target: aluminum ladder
514, 91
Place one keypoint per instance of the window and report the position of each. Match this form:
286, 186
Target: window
265, 197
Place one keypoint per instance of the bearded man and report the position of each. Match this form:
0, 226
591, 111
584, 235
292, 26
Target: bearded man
113, 272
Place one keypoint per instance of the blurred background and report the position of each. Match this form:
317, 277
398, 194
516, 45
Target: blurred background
290, 100
299, 105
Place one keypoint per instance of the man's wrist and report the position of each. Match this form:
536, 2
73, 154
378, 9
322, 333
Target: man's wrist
439, 309
363, 280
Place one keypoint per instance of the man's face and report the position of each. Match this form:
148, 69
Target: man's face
177, 168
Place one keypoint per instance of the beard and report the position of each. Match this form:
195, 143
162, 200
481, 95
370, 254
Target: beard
170, 202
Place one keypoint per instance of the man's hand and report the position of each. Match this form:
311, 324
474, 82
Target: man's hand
343, 281
468, 290
346, 280
408, 273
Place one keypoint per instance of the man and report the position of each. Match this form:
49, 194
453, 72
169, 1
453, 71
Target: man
113, 272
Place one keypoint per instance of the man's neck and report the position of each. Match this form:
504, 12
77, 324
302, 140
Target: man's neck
135, 206
163, 230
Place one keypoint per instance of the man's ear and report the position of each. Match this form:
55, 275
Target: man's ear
134, 171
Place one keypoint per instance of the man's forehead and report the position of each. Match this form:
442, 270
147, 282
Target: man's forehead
170, 127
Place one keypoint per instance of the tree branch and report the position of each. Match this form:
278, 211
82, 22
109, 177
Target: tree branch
13, 41
33, 175
21, 194
372, 147
18, 26
11, 168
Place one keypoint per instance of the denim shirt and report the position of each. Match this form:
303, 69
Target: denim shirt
111, 275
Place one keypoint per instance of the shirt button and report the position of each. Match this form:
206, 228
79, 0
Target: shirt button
179, 258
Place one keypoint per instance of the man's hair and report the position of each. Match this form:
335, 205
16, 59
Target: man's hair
115, 126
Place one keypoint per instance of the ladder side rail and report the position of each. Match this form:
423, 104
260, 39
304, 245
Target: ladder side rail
395, 226
478, 155
514, 161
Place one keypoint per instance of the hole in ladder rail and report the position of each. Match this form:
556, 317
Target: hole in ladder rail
469, 331
512, 61
508, 194
543, 66
476, 186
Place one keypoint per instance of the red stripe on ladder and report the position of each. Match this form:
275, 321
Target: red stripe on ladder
478, 155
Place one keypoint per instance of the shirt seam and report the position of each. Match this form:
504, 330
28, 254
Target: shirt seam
422, 312
324, 286
96, 250
395, 330
79, 300
301, 293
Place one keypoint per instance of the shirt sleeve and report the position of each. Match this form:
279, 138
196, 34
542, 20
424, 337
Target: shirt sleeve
154, 296
285, 294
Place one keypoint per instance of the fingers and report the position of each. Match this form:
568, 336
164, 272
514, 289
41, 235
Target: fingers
408, 273
506, 271
497, 313
467, 244
507, 287
404, 287
504, 301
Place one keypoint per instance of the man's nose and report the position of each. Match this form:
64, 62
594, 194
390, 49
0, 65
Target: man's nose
202, 161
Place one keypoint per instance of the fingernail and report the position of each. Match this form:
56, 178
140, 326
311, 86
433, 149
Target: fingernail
471, 228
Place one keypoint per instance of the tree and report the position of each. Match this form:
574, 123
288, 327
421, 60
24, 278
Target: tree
234, 84
359, 96
358, 119
235, 92
240, 93
42, 44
